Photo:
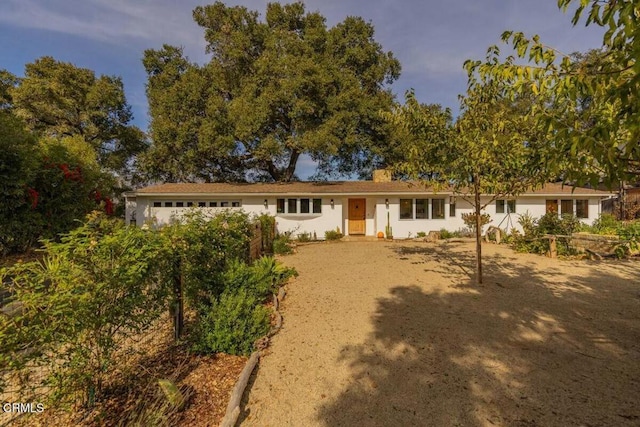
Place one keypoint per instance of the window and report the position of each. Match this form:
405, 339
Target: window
437, 208
202, 204
406, 208
317, 206
511, 206
499, 206
168, 204
189, 204
582, 208
452, 209
157, 204
566, 207
224, 204
422, 208
299, 206
235, 204
179, 204
292, 206
304, 206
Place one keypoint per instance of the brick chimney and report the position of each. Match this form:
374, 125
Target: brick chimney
382, 175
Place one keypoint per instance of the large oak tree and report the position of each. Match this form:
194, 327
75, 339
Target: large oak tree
274, 89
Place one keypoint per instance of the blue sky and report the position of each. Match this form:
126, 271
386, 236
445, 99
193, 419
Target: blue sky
431, 38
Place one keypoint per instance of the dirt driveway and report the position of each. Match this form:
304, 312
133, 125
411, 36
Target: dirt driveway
394, 334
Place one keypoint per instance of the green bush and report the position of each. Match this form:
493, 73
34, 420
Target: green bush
604, 224
261, 279
332, 235
232, 324
100, 285
304, 237
282, 245
204, 245
446, 234
535, 230
470, 220
422, 234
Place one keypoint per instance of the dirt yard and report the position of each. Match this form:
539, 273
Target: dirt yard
394, 334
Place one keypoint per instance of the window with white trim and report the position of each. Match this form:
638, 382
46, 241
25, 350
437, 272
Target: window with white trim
303, 206
437, 208
505, 206
582, 208
419, 208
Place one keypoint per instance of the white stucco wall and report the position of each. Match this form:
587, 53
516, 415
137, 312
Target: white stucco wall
336, 216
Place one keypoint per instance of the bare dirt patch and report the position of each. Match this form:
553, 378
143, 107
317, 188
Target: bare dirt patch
379, 333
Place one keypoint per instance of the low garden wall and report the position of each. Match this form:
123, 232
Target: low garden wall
594, 242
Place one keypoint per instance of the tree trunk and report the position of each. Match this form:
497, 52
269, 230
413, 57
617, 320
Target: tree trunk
476, 189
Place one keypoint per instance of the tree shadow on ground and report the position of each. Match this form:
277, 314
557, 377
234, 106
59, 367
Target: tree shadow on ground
544, 347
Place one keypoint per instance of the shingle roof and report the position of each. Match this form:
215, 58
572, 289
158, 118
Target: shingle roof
335, 187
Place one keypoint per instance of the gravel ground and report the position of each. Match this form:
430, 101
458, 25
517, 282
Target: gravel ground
394, 334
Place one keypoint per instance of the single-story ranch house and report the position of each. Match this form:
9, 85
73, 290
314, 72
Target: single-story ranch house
355, 207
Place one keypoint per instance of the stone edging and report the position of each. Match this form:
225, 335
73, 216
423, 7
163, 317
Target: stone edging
233, 407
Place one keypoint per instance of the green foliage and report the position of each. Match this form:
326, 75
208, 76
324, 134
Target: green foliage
535, 230
587, 104
332, 235
261, 279
58, 99
282, 244
232, 324
274, 89
19, 223
604, 224
101, 284
470, 220
423, 234
446, 234
492, 148
206, 245
630, 235
304, 237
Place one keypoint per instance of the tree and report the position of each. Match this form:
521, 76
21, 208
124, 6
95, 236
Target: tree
490, 152
605, 147
57, 99
273, 90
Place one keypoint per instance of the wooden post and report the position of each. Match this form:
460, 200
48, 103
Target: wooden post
553, 248
178, 304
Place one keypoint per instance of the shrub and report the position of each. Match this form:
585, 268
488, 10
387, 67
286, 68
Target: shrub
261, 279
604, 224
470, 220
332, 235
421, 234
232, 324
549, 224
203, 245
630, 235
282, 245
304, 237
446, 234
100, 285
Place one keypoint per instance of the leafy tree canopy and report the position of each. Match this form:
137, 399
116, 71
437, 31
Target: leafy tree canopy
273, 90
57, 99
492, 148
588, 105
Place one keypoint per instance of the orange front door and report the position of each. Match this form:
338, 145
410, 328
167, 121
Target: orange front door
552, 206
357, 216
